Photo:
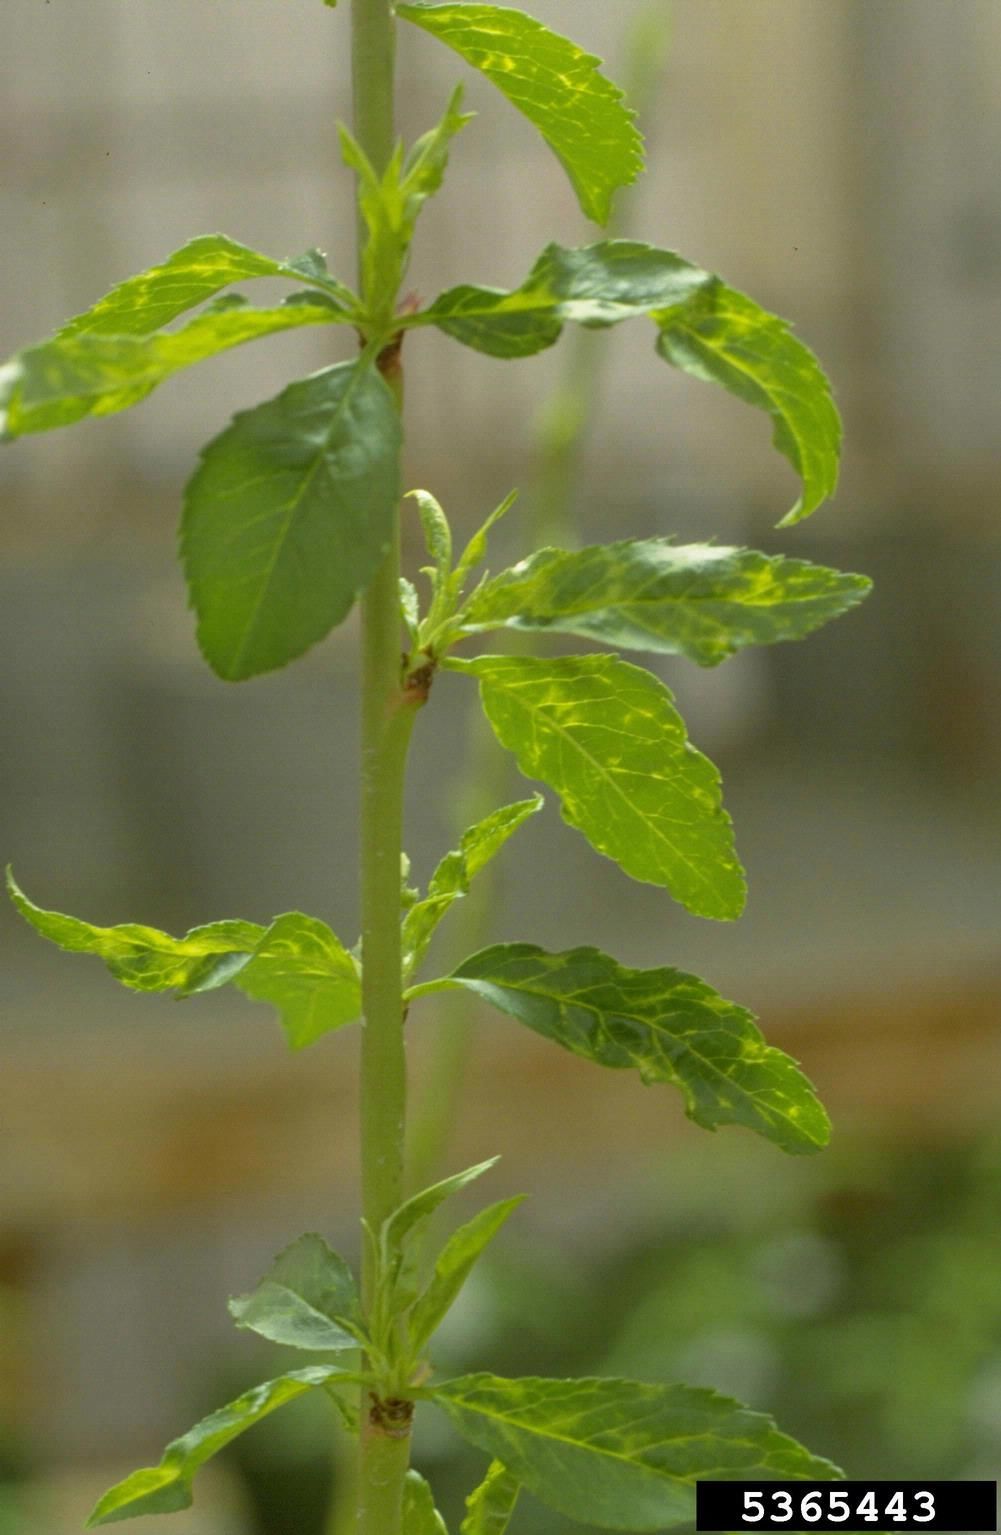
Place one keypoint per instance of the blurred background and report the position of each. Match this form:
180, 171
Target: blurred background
838, 160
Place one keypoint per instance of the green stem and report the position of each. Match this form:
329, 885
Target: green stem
387, 720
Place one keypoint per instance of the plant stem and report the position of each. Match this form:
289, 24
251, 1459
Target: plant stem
387, 720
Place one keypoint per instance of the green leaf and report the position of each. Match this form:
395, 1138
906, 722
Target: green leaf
670, 1026
606, 736
142, 957
390, 203
304, 970
492, 1504
555, 84
299, 1301
704, 327
699, 600
452, 878
165, 1488
200, 269
453, 1267
399, 1226
616, 1453
437, 535
723, 337
593, 285
288, 516
94, 374
420, 1517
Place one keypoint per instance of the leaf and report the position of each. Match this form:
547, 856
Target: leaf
411, 1214
491, 1505
453, 1267
142, 957
304, 970
390, 203
699, 600
555, 84
93, 374
288, 516
670, 1026
704, 327
200, 269
454, 874
723, 337
616, 1453
299, 1300
420, 1517
165, 1488
593, 285
606, 736
437, 535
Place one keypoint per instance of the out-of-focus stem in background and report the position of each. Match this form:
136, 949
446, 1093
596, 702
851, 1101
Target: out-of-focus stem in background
560, 436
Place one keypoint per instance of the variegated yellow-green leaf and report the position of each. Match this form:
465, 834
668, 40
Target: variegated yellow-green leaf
288, 516
452, 877
557, 86
619, 1454
490, 1507
95, 374
704, 327
165, 1488
297, 964
725, 338
188, 277
671, 1027
143, 957
704, 601
303, 1299
304, 970
607, 737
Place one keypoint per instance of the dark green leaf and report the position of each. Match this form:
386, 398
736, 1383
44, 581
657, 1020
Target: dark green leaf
420, 1517
165, 1488
453, 1267
725, 338
594, 285
304, 970
288, 517
619, 1454
698, 600
143, 957
670, 1026
554, 83
94, 374
299, 1300
492, 1504
607, 737
457, 869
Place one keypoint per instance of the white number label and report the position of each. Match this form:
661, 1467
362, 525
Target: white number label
895, 1509
867, 1509
786, 1506
753, 1507
838, 1507
929, 1507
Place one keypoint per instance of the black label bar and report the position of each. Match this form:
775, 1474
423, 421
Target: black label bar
854, 1508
